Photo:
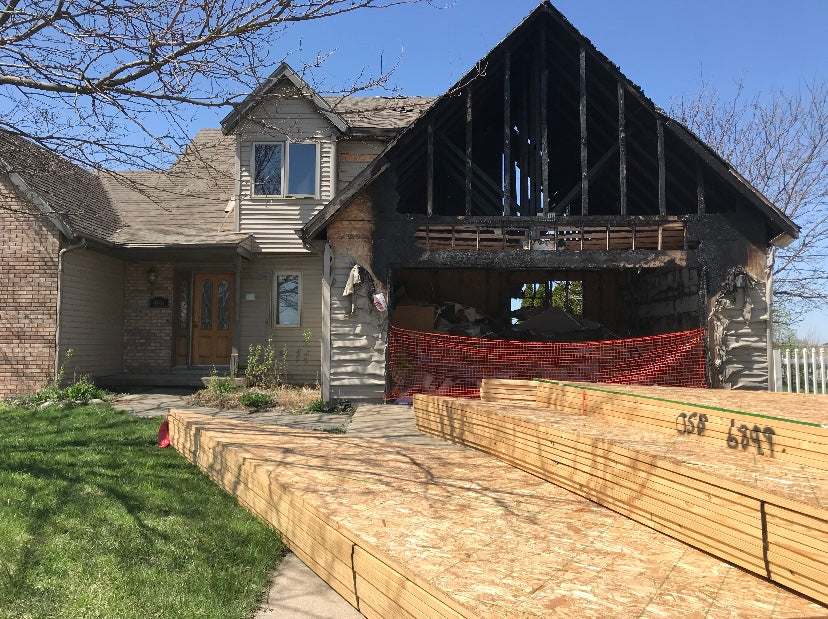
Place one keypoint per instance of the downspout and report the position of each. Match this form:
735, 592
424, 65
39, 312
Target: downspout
80, 245
769, 302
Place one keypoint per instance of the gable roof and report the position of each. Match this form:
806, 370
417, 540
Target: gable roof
72, 198
346, 113
786, 229
267, 87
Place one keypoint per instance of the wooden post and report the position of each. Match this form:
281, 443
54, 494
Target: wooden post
622, 150
583, 113
524, 154
430, 172
508, 166
700, 187
544, 144
662, 174
468, 149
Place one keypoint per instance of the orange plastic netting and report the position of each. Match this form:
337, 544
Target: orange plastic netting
454, 365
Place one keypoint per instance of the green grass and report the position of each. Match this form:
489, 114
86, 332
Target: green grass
97, 521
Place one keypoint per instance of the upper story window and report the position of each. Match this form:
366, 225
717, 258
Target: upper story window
296, 170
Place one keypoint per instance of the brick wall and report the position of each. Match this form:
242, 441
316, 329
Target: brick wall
29, 247
147, 330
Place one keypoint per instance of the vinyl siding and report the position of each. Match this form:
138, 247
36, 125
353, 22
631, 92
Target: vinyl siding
273, 221
357, 342
354, 156
92, 313
303, 358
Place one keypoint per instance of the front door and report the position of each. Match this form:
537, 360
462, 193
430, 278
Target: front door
212, 319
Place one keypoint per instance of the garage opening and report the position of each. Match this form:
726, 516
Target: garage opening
453, 327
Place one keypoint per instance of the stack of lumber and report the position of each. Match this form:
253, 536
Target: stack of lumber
788, 427
414, 531
767, 516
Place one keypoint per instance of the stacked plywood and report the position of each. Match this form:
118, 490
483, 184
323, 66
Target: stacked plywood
784, 427
411, 531
767, 516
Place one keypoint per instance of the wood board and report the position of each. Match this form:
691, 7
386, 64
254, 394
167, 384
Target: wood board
781, 427
765, 516
427, 532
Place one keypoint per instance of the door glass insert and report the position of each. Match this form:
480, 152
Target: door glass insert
184, 304
223, 305
206, 304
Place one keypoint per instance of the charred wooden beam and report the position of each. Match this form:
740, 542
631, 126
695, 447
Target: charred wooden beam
508, 166
430, 171
544, 142
468, 149
700, 197
591, 173
583, 115
662, 172
524, 153
622, 150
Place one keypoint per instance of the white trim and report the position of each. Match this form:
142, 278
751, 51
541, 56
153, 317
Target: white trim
285, 170
274, 323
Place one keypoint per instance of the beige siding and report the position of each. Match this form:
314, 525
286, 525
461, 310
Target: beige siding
354, 156
303, 358
358, 341
92, 311
273, 221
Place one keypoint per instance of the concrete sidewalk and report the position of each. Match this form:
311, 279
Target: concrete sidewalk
295, 591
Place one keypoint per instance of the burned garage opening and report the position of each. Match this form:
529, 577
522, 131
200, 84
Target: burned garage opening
546, 165
452, 328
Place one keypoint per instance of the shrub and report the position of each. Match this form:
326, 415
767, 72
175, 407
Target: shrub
82, 390
221, 386
254, 399
316, 406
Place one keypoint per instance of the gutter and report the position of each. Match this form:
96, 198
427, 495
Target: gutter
80, 245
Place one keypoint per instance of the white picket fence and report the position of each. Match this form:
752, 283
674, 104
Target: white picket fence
800, 370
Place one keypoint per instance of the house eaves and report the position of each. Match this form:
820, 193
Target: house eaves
59, 221
283, 72
786, 230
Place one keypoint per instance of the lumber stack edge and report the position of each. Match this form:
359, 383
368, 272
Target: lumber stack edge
768, 535
359, 573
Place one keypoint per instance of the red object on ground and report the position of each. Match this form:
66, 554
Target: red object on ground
164, 434
454, 365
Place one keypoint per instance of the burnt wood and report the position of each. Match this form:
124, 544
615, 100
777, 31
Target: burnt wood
583, 116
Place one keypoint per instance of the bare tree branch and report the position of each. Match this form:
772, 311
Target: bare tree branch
85, 77
780, 144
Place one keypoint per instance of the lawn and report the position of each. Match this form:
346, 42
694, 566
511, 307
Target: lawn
97, 521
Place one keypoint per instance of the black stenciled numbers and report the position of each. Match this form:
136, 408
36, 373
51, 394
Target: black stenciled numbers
748, 436
691, 424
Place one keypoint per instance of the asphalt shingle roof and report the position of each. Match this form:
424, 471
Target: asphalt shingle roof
379, 112
75, 194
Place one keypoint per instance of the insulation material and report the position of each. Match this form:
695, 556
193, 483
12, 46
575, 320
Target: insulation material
414, 531
739, 321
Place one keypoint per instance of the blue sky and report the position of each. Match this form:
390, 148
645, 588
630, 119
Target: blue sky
665, 46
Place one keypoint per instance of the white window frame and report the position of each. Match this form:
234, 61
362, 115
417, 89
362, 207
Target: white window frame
273, 306
285, 178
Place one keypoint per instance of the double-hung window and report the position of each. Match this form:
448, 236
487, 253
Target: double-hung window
286, 169
287, 291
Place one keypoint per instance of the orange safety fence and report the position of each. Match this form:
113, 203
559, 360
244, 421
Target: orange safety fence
454, 365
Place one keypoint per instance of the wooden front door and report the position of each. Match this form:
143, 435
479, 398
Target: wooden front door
212, 319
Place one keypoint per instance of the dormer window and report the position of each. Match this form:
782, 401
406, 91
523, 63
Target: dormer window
298, 171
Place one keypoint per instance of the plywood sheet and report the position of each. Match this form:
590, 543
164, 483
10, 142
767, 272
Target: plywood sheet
441, 533
766, 516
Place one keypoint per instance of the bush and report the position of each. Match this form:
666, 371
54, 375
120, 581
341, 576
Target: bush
316, 406
221, 386
82, 390
254, 399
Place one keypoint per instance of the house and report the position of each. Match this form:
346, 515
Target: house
543, 164
158, 277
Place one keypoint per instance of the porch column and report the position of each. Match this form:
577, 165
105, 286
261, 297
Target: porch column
236, 343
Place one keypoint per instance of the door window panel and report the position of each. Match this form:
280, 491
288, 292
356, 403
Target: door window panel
206, 304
